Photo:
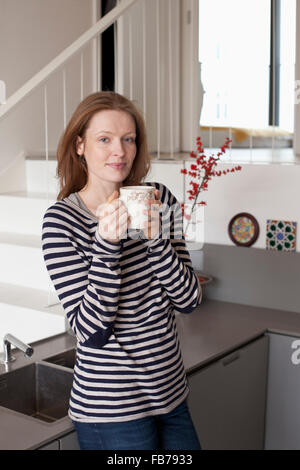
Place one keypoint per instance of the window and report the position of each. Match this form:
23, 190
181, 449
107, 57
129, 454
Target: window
287, 65
235, 56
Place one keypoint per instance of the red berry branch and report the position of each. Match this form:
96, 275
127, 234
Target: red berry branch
204, 169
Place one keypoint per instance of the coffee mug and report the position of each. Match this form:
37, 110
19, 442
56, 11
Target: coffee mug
134, 198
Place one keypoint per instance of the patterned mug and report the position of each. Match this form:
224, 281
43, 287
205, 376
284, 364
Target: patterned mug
134, 198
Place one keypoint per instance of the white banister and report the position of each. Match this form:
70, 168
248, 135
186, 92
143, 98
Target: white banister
130, 59
119, 57
96, 47
210, 138
65, 98
144, 59
99, 62
64, 56
81, 76
192, 76
230, 138
2, 92
171, 81
251, 143
46, 139
158, 78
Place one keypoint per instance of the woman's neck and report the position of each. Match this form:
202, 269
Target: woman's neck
93, 198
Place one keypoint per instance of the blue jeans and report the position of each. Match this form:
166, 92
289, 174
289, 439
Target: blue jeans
171, 431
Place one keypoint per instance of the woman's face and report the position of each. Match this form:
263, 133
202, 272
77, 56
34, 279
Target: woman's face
109, 147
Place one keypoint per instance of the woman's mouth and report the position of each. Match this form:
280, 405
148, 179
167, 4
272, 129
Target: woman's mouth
116, 166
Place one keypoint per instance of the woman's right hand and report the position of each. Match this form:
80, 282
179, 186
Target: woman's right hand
113, 218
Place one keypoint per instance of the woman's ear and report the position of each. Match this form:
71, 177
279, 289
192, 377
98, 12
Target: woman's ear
79, 146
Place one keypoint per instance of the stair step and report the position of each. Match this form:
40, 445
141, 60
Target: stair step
23, 263
22, 212
31, 299
21, 239
41, 173
30, 194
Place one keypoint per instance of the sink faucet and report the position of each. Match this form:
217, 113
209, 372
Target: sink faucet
9, 340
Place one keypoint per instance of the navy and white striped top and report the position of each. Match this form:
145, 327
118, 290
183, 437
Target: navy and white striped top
120, 300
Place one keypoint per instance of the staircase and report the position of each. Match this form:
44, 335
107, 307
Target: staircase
29, 306
145, 37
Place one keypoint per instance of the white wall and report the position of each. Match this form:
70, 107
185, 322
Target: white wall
32, 33
267, 191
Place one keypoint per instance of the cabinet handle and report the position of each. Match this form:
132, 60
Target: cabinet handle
230, 359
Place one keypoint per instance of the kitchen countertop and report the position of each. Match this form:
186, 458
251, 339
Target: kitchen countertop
216, 328
211, 331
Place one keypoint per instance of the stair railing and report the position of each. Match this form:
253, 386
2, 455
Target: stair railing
59, 61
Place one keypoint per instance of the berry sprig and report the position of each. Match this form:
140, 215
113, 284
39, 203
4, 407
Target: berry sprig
204, 169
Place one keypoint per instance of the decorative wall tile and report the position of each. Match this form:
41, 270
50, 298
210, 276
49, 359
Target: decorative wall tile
281, 235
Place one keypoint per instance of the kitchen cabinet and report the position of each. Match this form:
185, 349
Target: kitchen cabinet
227, 399
54, 445
67, 442
283, 404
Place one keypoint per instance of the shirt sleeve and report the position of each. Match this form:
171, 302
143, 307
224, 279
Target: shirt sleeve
87, 289
170, 259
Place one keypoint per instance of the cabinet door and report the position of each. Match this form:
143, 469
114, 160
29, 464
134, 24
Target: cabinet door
69, 442
283, 404
227, 399
54, 445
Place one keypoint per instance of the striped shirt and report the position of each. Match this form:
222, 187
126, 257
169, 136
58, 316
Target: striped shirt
120, 300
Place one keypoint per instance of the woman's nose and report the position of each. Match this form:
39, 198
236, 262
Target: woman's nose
118, 147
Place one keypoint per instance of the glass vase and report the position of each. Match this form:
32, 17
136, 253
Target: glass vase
193, 226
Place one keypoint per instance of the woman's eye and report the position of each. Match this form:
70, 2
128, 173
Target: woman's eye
127, 139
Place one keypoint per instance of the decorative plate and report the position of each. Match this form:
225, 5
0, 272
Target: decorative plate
243, 229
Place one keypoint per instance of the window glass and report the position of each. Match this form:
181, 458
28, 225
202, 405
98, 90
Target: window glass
234, 50
287, 63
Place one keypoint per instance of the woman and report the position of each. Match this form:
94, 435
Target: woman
119, 292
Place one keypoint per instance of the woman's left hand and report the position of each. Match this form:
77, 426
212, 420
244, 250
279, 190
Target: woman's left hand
152, 226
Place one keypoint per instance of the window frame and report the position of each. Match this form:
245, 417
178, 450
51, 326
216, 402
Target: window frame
274, 77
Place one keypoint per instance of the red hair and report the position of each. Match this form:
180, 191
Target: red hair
72, 169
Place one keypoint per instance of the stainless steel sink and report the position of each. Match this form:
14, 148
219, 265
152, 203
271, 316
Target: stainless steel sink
65, 358
37, 390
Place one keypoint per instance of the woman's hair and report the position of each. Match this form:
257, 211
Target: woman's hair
71, 168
